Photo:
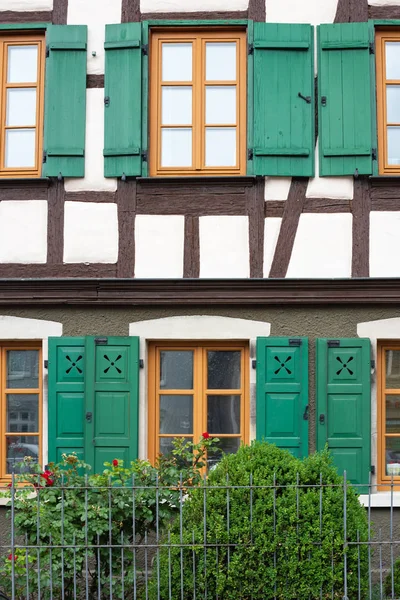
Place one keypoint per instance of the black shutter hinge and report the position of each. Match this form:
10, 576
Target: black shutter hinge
250, 49
333, 343
101, 341
372, 47
305, 414
46, 364
374, 154
144, 156
372, 469
295, 342
323, 100
106, 100
44, 156
145, 50
372, 364
254, 364
250, 154
47, 51
141, 363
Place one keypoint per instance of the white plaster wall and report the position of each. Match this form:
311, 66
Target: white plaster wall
23, 231
96, 14
271, 233
26, 5
384, 249
329, 187
384, 2
17, 328
224, 247
277, 188
294, 11
195, 327
191, 5
322, 247
94, 143
159, 244
90, 232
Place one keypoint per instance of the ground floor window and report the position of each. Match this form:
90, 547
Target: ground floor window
389, 411
198, 387
20, 405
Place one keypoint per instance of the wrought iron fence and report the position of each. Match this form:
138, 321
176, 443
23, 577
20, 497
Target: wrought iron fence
214, 542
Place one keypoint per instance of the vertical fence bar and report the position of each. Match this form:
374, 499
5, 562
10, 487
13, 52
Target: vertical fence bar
205, 533
86, 537
146, 565
27, 567
380, 564
157, 534
391, 537
169, 567
358, 565
13, 535
38, 538
122, 566
181, 529
74, 553
98, 568
62, 536
110, 538
227, 519
345, 535
134, 537
320, 526
369, 536
274, 510
194, 567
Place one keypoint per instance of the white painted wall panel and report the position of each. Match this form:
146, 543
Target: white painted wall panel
159, 244
322, 247
191, 5
23, 231
94, 13
224, 247
384, 250
94, 162
90, 232
329, 187
294, 11
271, 233
384, 2
277, 188
26, 5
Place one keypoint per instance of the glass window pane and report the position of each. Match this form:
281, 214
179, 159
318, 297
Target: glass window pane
392, 368
177, 62
22, 369
225, 446
20, 148
223, 414
221, 105
22, 64
220, 61
176, 414
393, 137
393, 413
21, 106
176, 105
23, 413
166, 444
220, 147
176, 147
17, 447
393, 456
223, 369
176, 369
392, 60
393, 103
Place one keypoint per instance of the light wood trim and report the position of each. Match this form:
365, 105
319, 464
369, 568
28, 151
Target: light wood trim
4, 476
5, 42
199, 391
198, 38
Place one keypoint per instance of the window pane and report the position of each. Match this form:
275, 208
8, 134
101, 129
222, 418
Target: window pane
166, 444
392, 366
220, 61
225, 446
176, 369
22, 369
393, 103
176, 414
221, 105
220, 147
223, 414
393, 413
176, 148
392, 60
177, 105
22, 64
393, 137
393, 456
23, 413
177, 62
21, 106
17, 447
20, 148
223, 369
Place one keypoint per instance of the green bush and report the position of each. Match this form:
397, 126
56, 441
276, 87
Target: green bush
291, 551
396, 580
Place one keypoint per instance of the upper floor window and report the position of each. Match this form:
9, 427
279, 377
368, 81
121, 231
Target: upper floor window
198, 102
22, 79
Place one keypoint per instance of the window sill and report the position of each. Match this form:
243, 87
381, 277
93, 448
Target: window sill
204, 179
24, 182
380, 500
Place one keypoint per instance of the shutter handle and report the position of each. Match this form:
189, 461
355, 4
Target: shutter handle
305, 98
322, 419
323, 100
305, 414
89, 417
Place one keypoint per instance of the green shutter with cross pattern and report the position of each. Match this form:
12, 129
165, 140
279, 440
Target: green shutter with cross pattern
282, 393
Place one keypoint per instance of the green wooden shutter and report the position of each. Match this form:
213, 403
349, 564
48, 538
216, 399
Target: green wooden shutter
284, 138
112, 400
123, 100
344, 96
282, 393
65, 101
344, 405
66, 396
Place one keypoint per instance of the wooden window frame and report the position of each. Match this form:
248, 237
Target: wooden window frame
4, 347
21, 40
199, 389
198, 37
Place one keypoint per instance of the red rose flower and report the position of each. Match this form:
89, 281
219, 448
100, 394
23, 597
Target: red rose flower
10, 557
115, 462
47, 475
9, 485
205, 435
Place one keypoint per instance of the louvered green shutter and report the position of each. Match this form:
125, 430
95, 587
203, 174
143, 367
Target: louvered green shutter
284, 138
282, 393
65, 101
344, 405
123, 100
112, 400
344, 96
66, 396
